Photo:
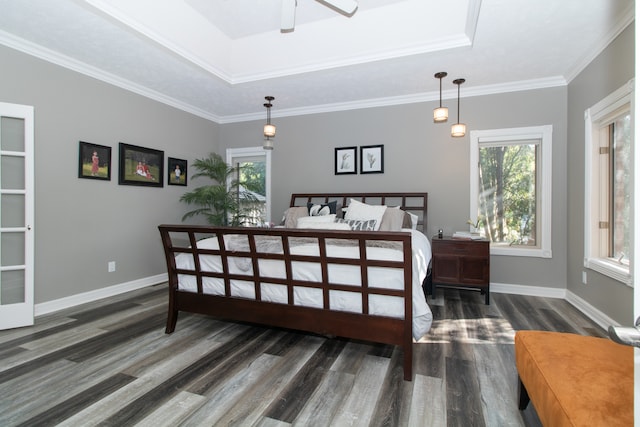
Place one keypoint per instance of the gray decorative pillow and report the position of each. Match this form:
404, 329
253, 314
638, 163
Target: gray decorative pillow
291, 216
359, 224
407, 222
392, 219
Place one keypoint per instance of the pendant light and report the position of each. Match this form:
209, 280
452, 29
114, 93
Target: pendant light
269, 130
440, 114
459, 129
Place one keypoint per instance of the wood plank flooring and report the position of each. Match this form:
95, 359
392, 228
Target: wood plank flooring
109, 363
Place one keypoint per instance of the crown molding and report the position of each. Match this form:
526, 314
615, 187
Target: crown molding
35, 50
441, 45
469, 92
120, 16
627, 18
57, 58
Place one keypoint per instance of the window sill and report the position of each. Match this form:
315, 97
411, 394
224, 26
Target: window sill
521, 251
610, 269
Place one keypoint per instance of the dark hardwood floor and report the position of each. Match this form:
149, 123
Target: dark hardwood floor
109, 363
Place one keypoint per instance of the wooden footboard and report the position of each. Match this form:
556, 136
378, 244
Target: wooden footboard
185, 242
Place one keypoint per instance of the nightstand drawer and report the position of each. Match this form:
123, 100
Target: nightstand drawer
461, 247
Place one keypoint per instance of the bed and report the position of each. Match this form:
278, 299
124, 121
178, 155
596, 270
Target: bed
335, 277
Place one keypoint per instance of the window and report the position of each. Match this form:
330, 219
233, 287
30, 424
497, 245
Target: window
608, 130
255, 182
511, 189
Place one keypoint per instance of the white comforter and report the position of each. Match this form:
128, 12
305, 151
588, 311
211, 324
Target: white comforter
342, 274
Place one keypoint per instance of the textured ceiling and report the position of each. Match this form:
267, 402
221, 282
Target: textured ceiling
219, 58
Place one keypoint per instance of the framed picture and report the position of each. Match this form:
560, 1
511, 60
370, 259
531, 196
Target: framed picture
346, 160
140, 166
372, 159
94, 161
177, 172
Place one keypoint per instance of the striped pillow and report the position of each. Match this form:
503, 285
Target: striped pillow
359, 224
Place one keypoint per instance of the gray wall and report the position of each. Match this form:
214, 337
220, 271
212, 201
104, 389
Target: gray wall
419, 156
81, 224
613, 68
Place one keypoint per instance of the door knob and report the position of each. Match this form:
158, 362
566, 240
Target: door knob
626, 335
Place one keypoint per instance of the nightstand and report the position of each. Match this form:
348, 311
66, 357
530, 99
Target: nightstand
461, 264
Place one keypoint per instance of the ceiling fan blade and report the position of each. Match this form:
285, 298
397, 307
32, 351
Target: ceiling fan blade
288, 19
348, 7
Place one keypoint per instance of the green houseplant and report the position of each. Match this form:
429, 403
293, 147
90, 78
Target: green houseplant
221, 202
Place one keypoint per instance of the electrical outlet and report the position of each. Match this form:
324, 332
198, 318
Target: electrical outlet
111, 266
584, 277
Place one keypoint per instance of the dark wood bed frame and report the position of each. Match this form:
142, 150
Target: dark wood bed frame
179, 239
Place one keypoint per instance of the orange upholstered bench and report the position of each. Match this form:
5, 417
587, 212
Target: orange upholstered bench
575, 380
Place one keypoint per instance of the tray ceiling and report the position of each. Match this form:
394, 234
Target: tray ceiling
219, 58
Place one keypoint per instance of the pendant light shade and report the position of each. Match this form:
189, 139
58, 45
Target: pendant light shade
269, 130
440, 114
458, 129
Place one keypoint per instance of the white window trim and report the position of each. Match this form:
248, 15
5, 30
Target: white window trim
543, 133
592, 118
253, 152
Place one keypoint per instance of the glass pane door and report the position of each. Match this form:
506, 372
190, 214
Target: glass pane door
16, 216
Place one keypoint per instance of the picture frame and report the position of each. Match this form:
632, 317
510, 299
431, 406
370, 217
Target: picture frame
346, 160
372, 159
140, 166
94, 161
176, 172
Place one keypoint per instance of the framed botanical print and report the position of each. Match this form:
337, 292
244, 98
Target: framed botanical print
346, 160
372, 159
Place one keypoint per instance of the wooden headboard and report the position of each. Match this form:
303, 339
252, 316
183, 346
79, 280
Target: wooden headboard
416, 203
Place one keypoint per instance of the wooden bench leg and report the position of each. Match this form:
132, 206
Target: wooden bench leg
523, 395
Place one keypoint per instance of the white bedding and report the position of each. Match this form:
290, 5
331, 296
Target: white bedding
343, 274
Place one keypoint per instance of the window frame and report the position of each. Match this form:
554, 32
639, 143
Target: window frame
595, 118
543, 175
256, 152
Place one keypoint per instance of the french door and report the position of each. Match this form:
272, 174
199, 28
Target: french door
16, 215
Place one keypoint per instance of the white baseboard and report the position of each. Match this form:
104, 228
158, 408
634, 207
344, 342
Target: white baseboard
587, 309
502, 288
85, 297
534, 291
590, 311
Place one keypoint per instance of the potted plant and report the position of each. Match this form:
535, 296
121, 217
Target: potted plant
221, 202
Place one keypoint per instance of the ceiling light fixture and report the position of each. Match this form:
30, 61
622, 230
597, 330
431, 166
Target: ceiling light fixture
269, 129
458, 129
440, 114
288, 15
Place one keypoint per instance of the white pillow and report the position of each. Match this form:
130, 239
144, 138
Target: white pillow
305, 221
326, 226
363, 211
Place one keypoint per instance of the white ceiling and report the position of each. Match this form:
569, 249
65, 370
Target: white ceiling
219, 58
